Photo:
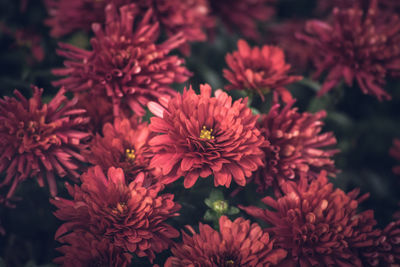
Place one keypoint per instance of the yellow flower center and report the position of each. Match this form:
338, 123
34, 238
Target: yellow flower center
130, 154
206, 134
230, 262
120, 208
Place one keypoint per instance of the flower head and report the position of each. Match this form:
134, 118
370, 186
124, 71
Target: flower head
297, 53
132, 217
319, 226
243, 15
124, 145
125, 64
297, 146
260, 70
41, 140
360, 44
237, 243
83, 249
395, 153
202, 135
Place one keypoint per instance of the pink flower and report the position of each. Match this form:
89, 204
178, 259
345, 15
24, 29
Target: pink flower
131, 217
258, 69
201, 135
297, 146
125, 64
317, 224
237, 243
360, 45
41, 140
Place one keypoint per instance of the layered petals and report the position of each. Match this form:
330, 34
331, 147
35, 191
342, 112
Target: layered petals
202, 135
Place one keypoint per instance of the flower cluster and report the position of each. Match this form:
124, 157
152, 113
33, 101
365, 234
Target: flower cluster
260, 70
38, 139
121, 217
297, 146
125, 64
124, 132
360, 44
236, 244
202, 135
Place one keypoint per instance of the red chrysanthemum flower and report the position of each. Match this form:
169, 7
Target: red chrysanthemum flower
203, 135
131, 217
258, 69
67, 16
395, 153
243, 15
125, 145
125, 63
297, 146
359, 45
84, 250
237, 243
41, 140
297, 53
319, 226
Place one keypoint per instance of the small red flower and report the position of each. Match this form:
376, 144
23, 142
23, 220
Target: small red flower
125, 64
359, 45
203, 135
84, 250
317, 224
237, 243
124, 145
395, 153
131, 217
243, 15
258, 69
297, 146
41, 140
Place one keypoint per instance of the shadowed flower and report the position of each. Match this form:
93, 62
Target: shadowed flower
395, 153
41, 140
124, 145
297, 146
317, 224
297, 53
243, 15
191, 18
237, 243
85, 250
131, 217
203, 135
67, 16
258, 69
360, 44
125, 63
26, 38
